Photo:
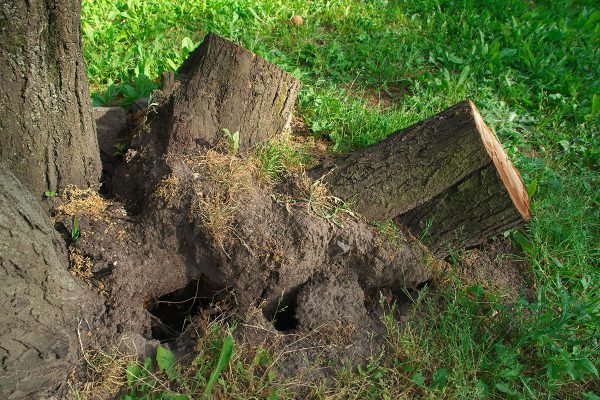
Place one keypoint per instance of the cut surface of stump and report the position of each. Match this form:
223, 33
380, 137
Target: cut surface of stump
448, 176
510, 176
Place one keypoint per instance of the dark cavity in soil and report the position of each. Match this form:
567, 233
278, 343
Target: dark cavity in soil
284, 314
173, 312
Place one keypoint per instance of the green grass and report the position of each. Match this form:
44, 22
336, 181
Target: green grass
532, 69
280, 156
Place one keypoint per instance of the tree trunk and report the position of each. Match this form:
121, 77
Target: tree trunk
448, 172
41, 304
224, 86
47, 134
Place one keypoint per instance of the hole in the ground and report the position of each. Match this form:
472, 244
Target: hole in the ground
283, 313
173, 312
422, 286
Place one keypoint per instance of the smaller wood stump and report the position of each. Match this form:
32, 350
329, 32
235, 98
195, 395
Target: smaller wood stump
224, 86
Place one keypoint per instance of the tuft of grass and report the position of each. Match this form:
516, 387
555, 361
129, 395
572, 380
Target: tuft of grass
219, 367
317, 199
217, 212
105, 374
466, 344
280, 157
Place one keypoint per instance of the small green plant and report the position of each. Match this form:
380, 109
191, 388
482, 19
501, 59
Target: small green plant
425, 229
49, 194
187, 46
141, 87
233, 139
120, 150
101, 99
439, 379
143, 383
75, 233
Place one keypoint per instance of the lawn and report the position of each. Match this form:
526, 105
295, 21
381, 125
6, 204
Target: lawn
372, 67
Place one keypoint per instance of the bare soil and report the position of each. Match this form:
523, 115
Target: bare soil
198, 236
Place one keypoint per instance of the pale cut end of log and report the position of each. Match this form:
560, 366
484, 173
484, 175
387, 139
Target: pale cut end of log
225, 88
510, 176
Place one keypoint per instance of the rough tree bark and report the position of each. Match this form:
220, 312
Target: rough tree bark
466, 214
47, 134
448, 172
41, 304
48, 140
224, 86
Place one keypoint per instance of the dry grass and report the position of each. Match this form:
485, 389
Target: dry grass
81, 202
217, 213
319, 201
76, 202
232, 174
168, 189
106, 374
337, 332
225, 180
80, 265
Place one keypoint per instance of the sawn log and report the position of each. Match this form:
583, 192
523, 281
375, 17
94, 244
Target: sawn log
447, 178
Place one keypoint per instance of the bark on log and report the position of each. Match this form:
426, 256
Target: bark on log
449, 169
47, 135
40, 302
465, 215
224, 86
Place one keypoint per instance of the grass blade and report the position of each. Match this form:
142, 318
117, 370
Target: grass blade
75, 233
224, 357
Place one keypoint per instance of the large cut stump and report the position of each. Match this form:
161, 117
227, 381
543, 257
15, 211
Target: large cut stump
447, 175
221, 89
206, 205
224, 86
41, 303
467, 214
